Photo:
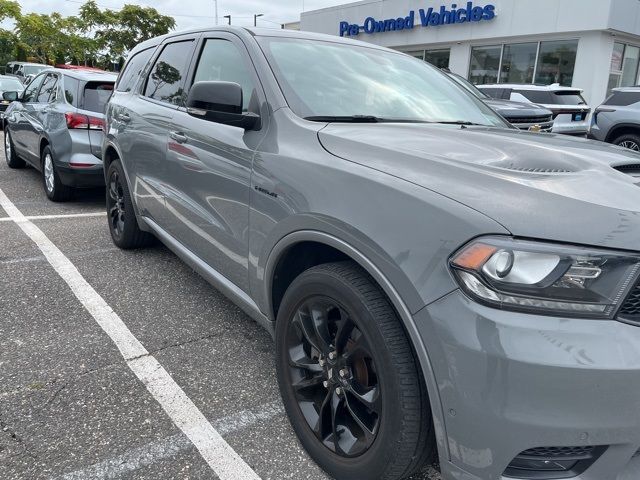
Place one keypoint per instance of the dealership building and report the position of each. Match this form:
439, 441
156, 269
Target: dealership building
590, 44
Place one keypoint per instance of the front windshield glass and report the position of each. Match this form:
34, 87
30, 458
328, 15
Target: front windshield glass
327, 79
10, 85
470, 87
33, 69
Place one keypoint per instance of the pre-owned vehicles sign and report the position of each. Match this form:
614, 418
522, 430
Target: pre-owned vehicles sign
423, 17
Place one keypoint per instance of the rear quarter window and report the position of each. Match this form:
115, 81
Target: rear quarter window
96, 95
71, 86
622, 99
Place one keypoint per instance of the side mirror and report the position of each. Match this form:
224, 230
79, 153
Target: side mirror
220, 102
10, 96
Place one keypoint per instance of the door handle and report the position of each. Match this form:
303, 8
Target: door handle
123, 117
178, 137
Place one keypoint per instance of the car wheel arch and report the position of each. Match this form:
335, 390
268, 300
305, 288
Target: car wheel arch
622, 129
111, 153
346, 251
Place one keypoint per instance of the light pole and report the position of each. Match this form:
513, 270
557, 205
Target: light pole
255, 18
228, 17
215, 4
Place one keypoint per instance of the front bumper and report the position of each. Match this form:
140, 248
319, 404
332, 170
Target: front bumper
509, 382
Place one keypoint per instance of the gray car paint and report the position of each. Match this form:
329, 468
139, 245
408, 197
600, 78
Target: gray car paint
33, 124
399, 199
610, 121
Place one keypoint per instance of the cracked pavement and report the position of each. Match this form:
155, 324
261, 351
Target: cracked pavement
70, 408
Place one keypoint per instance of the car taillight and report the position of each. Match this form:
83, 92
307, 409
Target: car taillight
79, 121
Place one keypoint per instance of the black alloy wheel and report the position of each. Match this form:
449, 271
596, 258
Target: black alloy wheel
123, 224
350, 381
115, 204
334, 376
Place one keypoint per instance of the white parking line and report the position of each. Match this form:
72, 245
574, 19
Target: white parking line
222, 459
50, 217
153, 452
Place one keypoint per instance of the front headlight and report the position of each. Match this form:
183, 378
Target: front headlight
545, 278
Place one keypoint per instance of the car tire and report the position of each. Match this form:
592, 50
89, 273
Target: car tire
628, 140
123, 224
12, 159
374, 394
54, 188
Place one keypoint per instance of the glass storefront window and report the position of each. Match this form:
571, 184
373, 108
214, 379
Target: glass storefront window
556, 61
518, 63
485, 63
630, 66
416, 53
438, 58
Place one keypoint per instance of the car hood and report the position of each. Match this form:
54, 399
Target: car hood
536, 185
516, 108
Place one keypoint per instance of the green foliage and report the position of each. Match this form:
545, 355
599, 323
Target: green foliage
95, 37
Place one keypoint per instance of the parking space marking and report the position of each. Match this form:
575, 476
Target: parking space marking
152, 452
51, 217
222, 459
42, 258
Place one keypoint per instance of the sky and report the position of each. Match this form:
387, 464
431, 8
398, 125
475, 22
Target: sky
198, 13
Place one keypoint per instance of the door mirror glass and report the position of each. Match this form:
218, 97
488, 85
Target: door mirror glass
220, 102
10, 96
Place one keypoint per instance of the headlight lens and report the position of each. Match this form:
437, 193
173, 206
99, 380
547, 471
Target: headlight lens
544, 277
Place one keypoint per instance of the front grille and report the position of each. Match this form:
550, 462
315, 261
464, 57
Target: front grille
538, 119
631, 169
630, 309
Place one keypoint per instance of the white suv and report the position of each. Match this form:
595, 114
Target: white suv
570, 111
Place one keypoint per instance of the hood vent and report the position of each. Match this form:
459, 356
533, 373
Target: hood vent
632, 169
535, 166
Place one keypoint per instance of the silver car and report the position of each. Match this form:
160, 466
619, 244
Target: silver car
56, 126
436, 284
617, 120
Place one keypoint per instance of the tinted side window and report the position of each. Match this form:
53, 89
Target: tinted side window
71, 90
166, 80
537, 96
48, 89
622, 99
32, 89
493, 92
221, 61
133, 70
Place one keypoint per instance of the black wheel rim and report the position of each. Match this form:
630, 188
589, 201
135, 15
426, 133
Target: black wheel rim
116, 204
333, 376
630, 144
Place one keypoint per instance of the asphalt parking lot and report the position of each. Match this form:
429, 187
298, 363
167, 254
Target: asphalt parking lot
71, 407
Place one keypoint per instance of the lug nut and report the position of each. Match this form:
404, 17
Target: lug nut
343, 373
321, 362
325, 384
332, 355
339, 391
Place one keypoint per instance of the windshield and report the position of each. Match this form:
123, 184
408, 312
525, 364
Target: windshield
10, 85
467, 85
29, 69
326, 79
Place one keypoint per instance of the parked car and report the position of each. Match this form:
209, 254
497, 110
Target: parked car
12, 67
617, 120
570, 110
435, 282
524, 116
8, 84
24, 70
56, 126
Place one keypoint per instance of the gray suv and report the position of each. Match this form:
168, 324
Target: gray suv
436, 284
55, 125
617, 120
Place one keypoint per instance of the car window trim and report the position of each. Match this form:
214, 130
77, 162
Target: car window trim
242, 49
143, 72
194, 38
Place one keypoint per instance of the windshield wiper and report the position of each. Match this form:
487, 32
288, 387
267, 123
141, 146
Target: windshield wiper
361, 119
345, 118
460, 122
